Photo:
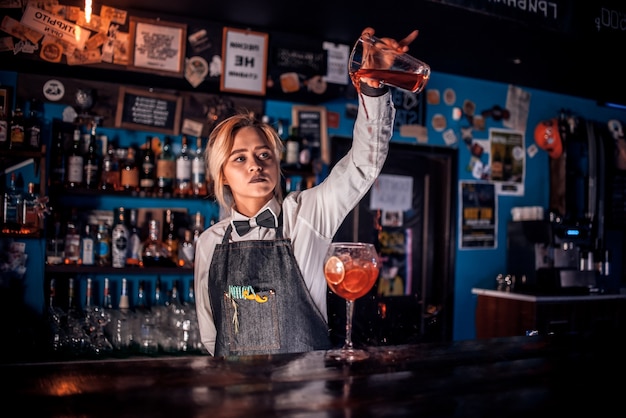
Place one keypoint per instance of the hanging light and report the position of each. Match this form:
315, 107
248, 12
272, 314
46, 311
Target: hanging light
88, 11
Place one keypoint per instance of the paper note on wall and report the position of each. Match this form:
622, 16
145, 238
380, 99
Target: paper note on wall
392, 192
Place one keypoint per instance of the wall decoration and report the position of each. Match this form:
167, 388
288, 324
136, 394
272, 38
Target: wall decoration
146, 110
244, 61
312, 125
157, 46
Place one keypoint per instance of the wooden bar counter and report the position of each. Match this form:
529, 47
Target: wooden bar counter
500, 377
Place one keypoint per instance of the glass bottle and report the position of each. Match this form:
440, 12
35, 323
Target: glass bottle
110, 170
57, 159
31, 222
186, 251
91, 167
292, 147
147, 173
198, 226
166, 169
12, 206
170, 236
32, 128
134, 239
182, 186
75, 163
87, 245
103, 245
154, 253
198, 171
119, 239
4, 129
56, 244
16, 129
72, 242
129, 177
107, 300
56, 320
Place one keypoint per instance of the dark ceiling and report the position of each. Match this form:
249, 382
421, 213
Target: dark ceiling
575, 58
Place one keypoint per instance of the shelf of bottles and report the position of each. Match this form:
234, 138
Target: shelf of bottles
87, 233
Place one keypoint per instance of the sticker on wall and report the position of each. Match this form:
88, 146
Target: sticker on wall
449, 137
469, 108
438, 122
196, 70
419, 132
433, 97
53, 90
449, 97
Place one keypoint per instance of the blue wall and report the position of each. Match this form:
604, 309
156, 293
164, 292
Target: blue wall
475, 267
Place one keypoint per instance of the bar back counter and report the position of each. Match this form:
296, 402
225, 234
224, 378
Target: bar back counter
497, 377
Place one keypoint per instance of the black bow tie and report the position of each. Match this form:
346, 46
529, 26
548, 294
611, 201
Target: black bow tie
265, 218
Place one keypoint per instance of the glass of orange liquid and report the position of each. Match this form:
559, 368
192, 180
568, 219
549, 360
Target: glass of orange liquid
351, 269
371, 57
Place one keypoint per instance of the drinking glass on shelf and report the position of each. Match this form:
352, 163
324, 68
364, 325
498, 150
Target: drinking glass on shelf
351, 269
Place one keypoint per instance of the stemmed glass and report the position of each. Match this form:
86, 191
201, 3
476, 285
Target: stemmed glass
351, 269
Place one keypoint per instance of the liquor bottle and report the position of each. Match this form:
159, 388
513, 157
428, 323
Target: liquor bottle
170, 236
110, 170
31, 222
292, 147
57, 160
12, 207
4, 129
198, 226
158, 299
107, 300
129, 177
191, 295
141, 303
91, 167
133, 256
75, 163
186, 251
87, 245
182, 185
166, 169
198, 171
119, 239
56, 244
154, 253
32, 128
16, 129
72, 242
89, 300
124, 299
103, 245
147, 173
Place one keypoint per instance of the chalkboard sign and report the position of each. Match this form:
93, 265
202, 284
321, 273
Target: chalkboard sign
311, 123
150, 111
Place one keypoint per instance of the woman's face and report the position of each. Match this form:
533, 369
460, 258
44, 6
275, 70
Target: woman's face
251, 170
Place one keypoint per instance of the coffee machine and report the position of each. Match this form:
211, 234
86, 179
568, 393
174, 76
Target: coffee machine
550, 257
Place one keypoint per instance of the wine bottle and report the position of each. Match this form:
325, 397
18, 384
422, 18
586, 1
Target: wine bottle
182, 185
166, 169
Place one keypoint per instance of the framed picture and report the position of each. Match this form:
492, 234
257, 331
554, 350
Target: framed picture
148, 110
157, 46
6, 100
244, 61
312, 125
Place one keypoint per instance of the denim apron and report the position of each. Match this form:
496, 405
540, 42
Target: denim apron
260, 301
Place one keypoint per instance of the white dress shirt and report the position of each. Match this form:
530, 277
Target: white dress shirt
310, 217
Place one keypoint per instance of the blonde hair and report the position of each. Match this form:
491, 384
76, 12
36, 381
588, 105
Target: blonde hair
220, 144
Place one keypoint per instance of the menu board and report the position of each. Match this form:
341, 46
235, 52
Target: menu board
149, 111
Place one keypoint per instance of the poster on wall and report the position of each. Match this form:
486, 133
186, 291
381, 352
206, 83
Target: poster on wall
507, 161
477, 218
244, 61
